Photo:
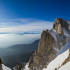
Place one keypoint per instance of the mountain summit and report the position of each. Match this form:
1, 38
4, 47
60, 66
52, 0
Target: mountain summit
50, 44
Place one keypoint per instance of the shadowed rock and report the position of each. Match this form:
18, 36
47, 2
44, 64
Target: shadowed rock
1, 64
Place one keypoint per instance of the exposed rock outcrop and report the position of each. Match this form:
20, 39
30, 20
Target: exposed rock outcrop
1, 65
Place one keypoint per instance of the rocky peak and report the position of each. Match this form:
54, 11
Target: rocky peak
59, 24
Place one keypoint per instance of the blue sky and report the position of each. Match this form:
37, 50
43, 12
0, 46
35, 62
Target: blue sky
40, 9
14, 13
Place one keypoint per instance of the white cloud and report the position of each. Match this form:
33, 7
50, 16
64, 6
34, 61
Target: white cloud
7, 40
25, 25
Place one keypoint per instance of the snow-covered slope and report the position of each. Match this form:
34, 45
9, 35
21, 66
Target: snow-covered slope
5, 67
65, 67
59, 61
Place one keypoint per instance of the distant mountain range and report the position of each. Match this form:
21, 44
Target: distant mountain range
17, 54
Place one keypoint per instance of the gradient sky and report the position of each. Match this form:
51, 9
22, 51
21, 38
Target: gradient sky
39, 9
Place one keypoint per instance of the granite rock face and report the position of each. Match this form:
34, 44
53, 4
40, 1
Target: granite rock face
50, 43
